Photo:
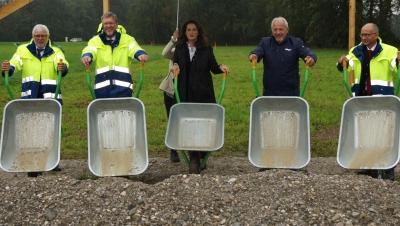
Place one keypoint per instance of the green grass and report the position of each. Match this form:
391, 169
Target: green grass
325, 95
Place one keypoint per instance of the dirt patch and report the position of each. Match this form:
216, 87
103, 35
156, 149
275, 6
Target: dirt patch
229, 192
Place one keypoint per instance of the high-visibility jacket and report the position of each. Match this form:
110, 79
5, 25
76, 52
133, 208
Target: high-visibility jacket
38, 72
382, 68
113, 78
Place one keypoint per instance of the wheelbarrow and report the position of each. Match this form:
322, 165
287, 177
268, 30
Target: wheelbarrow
30, 133
117, 137
279, 131
369, 131
196, 126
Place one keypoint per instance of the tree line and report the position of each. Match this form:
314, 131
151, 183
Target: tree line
320, 23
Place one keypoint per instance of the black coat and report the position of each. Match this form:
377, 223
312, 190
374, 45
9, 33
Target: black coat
194, 81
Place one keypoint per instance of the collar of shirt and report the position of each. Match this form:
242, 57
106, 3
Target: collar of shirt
110, 38
372, 48
192, 51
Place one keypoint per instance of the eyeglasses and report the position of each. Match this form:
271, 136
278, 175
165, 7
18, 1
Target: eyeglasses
362, 35
40, 36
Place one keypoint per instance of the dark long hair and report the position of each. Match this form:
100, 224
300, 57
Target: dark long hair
201, 39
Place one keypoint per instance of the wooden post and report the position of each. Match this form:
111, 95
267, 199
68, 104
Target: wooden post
352, 22
106, 6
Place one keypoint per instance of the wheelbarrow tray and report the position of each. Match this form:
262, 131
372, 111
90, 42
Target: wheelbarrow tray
117, 140
30, 135
195, 126
369, 133
279, 133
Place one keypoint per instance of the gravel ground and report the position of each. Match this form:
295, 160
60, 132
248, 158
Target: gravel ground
229, 192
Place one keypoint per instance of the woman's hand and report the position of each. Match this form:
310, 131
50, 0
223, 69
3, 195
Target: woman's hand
175, 70
224, 68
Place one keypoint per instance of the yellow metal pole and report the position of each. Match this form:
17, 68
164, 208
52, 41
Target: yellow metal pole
352, 22
106, 6
12, 7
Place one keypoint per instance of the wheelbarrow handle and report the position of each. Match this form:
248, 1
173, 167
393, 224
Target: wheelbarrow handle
178, 99
89, 82
396, 91
346, 79
254, 77
223, 84
140, 82
7, 85
58, 83
305, 83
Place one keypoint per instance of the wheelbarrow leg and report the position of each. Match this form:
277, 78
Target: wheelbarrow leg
380, 174
203, 162
182, 155
194, 164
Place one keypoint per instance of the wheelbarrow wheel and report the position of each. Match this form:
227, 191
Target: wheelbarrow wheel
194, 164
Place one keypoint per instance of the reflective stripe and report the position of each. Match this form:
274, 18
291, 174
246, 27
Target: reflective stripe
114, 82
123, 84
49, 82
381, 83
18, 58
121, 69
131, 47
102, 84
51, 95
27, 79
351, 63
114, 68
26, 93
91, 48
102, 70
393, 63
378, 83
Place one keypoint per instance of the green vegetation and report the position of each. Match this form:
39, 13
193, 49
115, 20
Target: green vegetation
325, 95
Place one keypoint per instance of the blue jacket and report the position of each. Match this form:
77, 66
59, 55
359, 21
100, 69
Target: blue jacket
281, 65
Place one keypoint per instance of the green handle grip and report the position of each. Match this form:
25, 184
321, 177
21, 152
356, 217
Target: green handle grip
89, 83
345, 82
396, 92
253, 78
7, 85
223, 84
305, 83
140, 82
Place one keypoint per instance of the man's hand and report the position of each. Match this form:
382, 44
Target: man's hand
309, 61
5, 66
143, 58
343, 59
253, 57
86, 60
61, 67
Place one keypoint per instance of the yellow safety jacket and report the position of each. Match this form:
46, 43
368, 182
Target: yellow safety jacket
38, 72
113, 78
382, 67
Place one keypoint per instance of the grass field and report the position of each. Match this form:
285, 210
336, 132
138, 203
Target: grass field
325, 95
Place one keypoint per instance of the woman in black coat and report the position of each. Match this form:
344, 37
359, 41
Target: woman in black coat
193, 61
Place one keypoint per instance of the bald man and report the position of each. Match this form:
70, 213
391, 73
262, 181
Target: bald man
374, 64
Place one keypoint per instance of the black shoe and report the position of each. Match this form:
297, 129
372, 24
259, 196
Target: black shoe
369, 172
174, 157
194, 164
57, 169
34, 174
388, 174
